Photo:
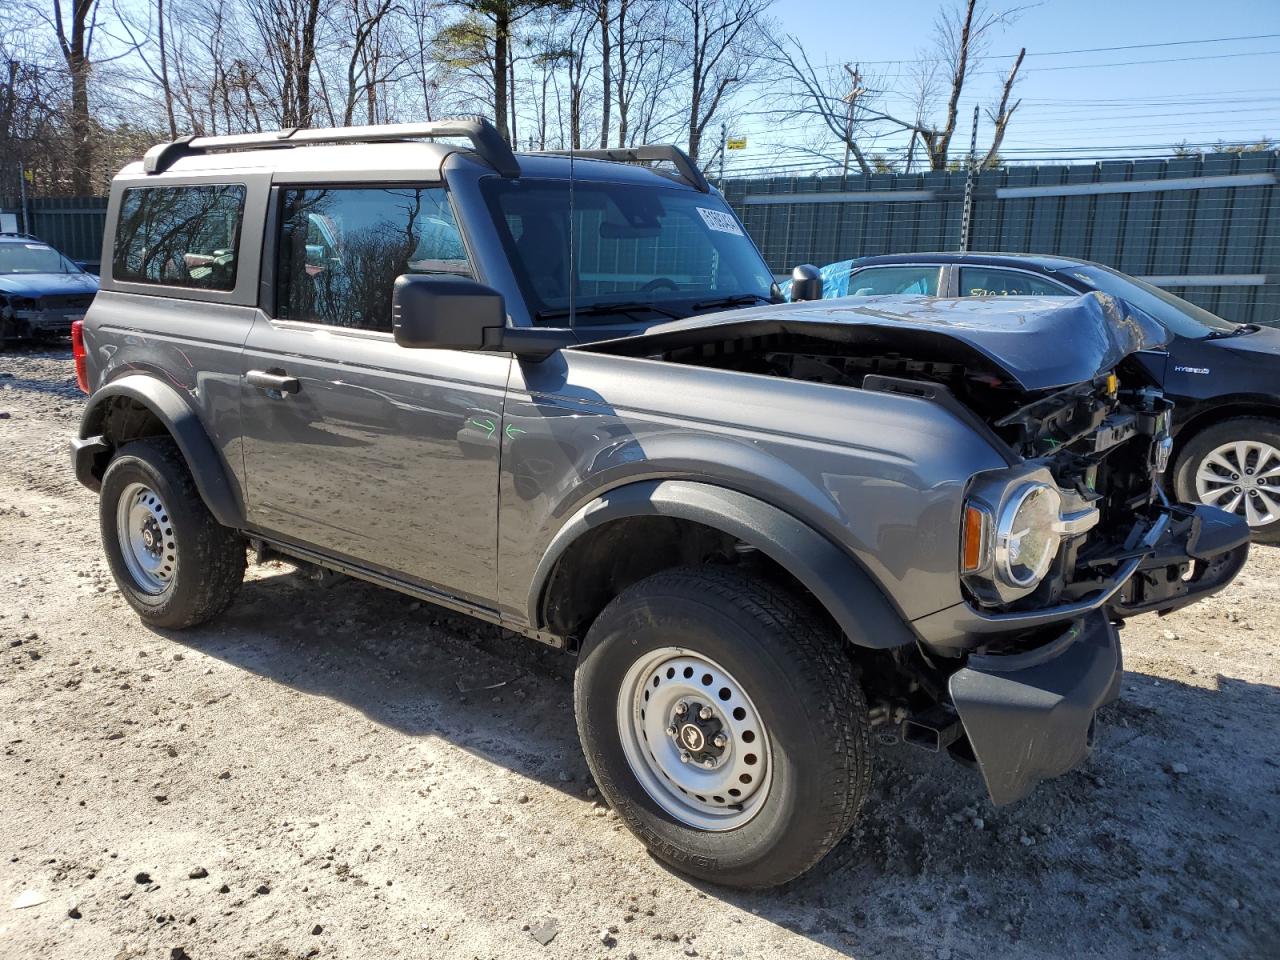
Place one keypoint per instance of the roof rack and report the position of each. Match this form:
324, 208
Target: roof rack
658, 151
484, 137
19, 234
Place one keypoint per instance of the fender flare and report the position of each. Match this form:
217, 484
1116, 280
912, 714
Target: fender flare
847, 591
207, 466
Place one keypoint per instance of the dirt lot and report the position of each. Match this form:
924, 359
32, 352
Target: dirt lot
331, 771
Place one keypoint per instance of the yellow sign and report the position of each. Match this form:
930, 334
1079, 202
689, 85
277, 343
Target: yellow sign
737, 143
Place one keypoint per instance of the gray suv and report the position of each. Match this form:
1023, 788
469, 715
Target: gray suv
561, 394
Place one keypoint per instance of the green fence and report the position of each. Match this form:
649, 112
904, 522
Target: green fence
1207, 229
72, 224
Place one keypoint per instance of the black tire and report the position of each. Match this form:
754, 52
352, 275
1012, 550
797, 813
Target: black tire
1193, 452
210, 558
793, 666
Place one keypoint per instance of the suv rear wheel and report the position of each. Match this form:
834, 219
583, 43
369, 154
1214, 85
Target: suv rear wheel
722, 720
173, 562
1235, 465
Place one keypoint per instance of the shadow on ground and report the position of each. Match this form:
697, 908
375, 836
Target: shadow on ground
1125, 842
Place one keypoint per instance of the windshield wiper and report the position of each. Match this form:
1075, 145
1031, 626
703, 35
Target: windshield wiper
602, 309
1239, 331
739, 300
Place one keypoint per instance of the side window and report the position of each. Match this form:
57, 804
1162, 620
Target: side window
179, 236
990, 282
873, 281
341, 249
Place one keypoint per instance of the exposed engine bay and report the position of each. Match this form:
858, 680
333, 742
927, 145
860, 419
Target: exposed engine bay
1104, 440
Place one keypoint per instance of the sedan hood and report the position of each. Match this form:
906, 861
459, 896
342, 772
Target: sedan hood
36, 285
1040, 342
1263, 341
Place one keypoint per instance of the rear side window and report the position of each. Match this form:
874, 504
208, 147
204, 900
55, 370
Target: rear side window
876, 281
341, 249
988, 282
179, 236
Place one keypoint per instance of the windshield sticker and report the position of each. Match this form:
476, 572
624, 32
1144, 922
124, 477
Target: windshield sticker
35, 246
720, 221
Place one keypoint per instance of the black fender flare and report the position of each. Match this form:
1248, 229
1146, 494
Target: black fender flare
847, 591
207, 466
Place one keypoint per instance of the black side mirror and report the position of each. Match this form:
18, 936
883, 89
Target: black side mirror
457, 313
806, 283
446, 313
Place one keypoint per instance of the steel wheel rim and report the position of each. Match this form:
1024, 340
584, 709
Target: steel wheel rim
655, 734
1242, 477
147, 543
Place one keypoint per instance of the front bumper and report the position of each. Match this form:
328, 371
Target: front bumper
1030, 716
28, 324
1149, 578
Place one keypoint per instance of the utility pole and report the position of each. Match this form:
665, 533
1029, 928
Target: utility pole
966, 220
724, 143
850, 98
22, 194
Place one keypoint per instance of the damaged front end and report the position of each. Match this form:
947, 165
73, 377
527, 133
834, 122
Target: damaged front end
1054, 550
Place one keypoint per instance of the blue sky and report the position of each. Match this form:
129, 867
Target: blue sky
1075, 104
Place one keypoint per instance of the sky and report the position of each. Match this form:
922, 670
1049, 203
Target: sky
1075, 105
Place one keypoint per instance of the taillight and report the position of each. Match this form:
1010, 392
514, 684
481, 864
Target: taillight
79, 355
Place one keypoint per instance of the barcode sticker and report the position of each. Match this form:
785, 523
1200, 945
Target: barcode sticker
720, 221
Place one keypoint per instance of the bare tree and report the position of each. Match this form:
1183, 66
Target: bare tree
962, 33
723, 41
287, 30
834, 97
364, 25
75, 39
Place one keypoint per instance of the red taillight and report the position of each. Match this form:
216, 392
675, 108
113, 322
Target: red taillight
79, 356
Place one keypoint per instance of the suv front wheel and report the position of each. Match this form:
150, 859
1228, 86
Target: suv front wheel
722, 720
173, 562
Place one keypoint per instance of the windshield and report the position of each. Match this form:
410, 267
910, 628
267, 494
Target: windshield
1182, 317
652, 251
33, 258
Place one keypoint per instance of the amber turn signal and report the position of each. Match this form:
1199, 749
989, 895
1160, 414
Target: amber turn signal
973, 548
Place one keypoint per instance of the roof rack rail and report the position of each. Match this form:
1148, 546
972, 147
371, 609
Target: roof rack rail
484, 136
657, 151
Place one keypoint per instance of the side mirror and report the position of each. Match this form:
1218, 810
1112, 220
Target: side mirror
457, 313
806, 283
446, 313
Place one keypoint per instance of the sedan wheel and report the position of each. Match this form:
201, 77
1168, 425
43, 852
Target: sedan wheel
1235, 466
1244, 478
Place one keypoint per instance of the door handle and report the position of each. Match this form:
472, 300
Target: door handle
270, 380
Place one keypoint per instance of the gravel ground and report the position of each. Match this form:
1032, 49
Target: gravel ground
338, 771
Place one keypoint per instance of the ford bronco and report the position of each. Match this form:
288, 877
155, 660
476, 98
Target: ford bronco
561, 393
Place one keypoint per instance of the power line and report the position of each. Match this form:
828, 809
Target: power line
1139, 63
1148, 46
1063, 53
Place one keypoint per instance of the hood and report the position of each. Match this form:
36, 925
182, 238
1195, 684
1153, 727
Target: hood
36, 285
1040, 342
1260, 341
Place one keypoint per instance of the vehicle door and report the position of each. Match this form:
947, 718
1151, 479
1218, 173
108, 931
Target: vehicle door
909, 280
354, 445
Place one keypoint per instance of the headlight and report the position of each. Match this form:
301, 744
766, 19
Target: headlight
1026, 540
1012, 531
